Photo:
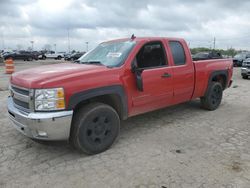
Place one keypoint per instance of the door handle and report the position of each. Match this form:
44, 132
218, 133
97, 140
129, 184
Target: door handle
166, 75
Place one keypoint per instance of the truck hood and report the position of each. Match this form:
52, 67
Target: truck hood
39, 76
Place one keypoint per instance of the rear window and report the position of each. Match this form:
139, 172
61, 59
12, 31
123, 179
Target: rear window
178, 53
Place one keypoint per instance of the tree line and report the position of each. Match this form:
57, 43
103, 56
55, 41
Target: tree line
229, 52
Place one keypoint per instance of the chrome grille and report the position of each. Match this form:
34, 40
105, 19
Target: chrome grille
20, 90
22, 97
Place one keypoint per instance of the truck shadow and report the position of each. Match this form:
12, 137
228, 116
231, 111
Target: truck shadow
146, 121
169, 114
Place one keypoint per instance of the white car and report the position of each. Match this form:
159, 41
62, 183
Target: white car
245, 69
57, 55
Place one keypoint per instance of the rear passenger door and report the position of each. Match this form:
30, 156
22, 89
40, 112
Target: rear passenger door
183, 71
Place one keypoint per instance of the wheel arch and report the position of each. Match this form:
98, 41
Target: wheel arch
111, 95
219, 76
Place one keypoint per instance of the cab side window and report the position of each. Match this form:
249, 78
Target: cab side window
178, 53
151, 55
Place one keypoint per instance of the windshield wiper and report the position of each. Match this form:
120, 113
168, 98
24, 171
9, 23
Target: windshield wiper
90, 62
93, 62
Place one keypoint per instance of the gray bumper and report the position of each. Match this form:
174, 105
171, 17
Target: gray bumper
245, 71
41, 125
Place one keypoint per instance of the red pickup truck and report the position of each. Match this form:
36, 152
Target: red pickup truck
84, 102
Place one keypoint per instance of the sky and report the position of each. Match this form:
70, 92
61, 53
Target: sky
71, 24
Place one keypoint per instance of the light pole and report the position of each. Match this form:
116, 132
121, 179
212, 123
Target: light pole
68, 41
3, 41
87, 46
55, 47
214, 42
32, 44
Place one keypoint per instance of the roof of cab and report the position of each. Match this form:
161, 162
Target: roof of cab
139, 39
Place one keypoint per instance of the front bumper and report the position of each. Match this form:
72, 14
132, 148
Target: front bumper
41, 125
245, 71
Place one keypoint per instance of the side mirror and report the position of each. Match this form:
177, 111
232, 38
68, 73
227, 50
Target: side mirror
134, 66
139, 82
137, 72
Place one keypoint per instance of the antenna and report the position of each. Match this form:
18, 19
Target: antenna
133, 37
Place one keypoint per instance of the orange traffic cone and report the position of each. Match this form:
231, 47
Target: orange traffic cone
9, 66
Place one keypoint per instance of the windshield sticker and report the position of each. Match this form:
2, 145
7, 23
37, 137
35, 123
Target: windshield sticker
114, 54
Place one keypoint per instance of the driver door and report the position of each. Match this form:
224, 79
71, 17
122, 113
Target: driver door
156, 78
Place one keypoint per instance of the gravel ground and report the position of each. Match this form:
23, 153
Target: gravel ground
178, 147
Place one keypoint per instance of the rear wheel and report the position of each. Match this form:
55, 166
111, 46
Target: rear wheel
245, 77
213, 97
95, 128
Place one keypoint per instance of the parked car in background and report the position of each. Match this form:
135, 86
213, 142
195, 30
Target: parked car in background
207, 55
67, 55
55, 55
245, 70
40, 54
5, 53
21, 55
84, 102
74, 56
239, 58
1, 59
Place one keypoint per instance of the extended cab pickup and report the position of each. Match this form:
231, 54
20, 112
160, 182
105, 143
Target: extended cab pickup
84, 102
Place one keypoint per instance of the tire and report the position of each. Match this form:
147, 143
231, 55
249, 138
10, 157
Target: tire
212, 100
44, 57
245, 77
95, 128
59, 57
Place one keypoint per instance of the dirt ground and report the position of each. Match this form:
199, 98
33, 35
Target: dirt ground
179, 147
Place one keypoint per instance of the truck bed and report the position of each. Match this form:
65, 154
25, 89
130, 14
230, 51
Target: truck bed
203, 70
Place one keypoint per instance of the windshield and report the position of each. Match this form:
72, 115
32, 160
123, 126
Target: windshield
110, 54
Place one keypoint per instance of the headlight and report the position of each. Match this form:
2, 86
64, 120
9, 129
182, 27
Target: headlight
49, 99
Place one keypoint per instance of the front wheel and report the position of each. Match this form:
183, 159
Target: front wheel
213, 97
95, 128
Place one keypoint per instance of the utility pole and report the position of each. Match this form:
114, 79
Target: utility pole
214, 42
32, 44
87, 46
68, 41
3, 40
55, 47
